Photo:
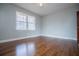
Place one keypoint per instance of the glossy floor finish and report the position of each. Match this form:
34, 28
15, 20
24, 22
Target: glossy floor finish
39, 46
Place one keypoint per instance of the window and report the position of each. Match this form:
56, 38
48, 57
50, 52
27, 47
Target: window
31, 23
24, 22
20, 21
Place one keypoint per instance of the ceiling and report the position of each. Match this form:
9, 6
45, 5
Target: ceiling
46, 9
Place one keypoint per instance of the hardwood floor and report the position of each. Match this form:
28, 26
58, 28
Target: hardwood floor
39, 46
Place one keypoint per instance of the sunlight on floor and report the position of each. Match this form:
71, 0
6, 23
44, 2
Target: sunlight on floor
25, 49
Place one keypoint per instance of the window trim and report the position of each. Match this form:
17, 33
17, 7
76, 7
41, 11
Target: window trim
27, 23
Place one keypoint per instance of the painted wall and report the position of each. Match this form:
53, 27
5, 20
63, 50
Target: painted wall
8, 22
61, 24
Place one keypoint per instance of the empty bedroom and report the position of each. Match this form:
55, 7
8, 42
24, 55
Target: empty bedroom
39, 29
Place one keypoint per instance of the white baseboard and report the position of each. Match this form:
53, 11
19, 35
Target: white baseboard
7, 40
53, 36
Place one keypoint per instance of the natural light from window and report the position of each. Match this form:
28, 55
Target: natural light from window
24, 22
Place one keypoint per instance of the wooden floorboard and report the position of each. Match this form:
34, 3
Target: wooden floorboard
39, 46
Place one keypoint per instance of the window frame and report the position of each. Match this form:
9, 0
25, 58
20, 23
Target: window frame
34, 23
26, 22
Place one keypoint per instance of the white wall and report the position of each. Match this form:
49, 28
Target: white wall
61, 24
8, 22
